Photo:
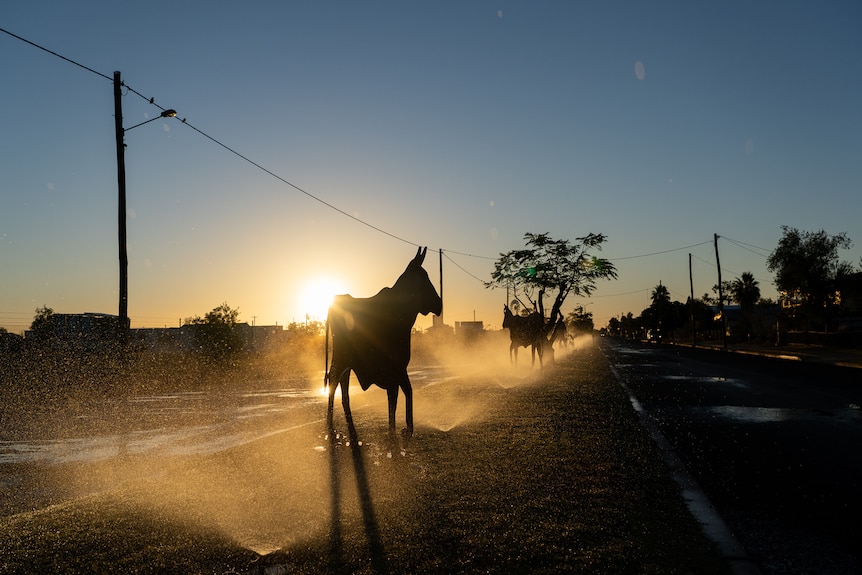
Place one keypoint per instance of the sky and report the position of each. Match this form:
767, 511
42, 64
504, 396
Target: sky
325, 141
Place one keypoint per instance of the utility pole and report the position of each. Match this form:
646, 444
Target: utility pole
720, 297
441, 285
121, 209
691, 287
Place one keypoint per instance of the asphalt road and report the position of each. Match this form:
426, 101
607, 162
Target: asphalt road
774, 444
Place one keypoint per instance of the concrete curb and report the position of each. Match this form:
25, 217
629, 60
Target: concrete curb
812, 357
696, 500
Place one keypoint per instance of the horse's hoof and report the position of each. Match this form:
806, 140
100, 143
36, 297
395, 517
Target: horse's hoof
407, 433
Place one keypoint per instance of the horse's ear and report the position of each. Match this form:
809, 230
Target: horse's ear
420, 256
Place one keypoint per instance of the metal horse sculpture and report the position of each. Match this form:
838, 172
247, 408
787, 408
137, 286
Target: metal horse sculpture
371, 337
524, 331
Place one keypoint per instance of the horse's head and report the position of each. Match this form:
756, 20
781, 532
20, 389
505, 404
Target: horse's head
417, 289
507, 316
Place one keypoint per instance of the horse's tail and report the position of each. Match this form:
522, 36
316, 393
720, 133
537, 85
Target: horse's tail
326, 381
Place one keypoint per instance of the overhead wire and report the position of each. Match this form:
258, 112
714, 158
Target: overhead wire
26, 41
457, 265
712, 264
323, 202
707, 262
747, 247
218, 142
622, 294
297, 188
659, 253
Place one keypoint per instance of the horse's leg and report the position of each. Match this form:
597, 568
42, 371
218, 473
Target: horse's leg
329, 409
407, 388
345, 396
392, 395
533, 354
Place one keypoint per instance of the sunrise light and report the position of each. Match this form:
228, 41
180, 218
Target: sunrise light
316, 297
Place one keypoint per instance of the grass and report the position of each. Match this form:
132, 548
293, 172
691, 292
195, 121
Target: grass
506, 474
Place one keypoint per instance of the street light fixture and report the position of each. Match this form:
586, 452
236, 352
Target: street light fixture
123, 312
165, 114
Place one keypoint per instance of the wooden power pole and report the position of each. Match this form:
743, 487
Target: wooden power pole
720, 297
691, 302
121, 208
441, 285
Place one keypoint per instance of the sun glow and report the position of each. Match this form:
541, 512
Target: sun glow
317, 296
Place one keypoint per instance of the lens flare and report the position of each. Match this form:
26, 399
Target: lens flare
317, 296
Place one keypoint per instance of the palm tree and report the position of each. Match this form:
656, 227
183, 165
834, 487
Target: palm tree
660, 296
660, 307
745, 291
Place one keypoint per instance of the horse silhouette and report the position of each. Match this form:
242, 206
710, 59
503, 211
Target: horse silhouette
524, 331
371, 337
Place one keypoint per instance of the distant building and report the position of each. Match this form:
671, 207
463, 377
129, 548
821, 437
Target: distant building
438, 328
469, 329
95, 330
850, 294
260, 338
84, 330
257, 338
163, 339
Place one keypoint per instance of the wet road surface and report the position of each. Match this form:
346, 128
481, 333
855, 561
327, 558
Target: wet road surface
775, 444
119, 438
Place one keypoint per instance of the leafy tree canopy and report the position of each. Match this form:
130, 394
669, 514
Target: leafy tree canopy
215, 333
806, 264
553, 267
42, 327
579, 320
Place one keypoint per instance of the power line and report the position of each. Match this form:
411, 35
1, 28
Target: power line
709, 263
216, 141
456, 264
252, 162
622, 294
469, 255
660, 253
297, 188
316, 198
746, 246
712, 264
87, 68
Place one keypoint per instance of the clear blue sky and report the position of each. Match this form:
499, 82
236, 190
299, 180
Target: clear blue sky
457, 125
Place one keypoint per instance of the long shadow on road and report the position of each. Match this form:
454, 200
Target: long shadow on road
337, 455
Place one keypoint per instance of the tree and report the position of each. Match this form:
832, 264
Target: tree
42, 327
659, 314
745, 291
215, 334
726, 296
630, 326
580, 321
553, 268
660, 296
614, 327
704, 317
310, 328
807, 269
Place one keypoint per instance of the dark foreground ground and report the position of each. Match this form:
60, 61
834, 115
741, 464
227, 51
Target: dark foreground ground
534, 473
